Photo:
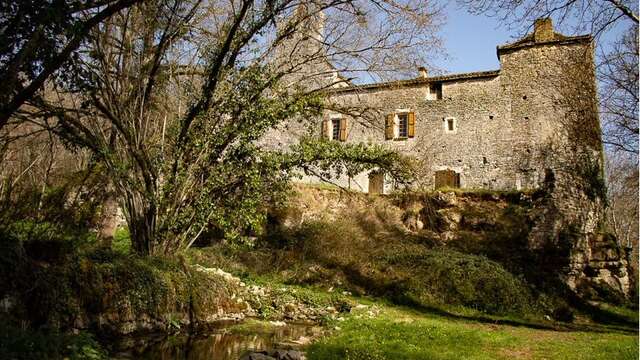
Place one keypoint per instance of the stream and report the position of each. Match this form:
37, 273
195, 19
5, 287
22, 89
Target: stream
224, 343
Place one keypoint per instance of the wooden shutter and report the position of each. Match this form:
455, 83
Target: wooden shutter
389, 127
411, 126
343, 129
325, 129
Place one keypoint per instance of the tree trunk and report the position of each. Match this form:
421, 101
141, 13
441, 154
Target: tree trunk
141, 218
108, 220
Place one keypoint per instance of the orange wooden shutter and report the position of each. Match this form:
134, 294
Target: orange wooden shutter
343, 129
389, 127
411, 128
325, 129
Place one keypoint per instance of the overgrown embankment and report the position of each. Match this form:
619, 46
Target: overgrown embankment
59, 281
450, 248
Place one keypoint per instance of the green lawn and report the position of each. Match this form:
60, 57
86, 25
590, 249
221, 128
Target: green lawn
390, 332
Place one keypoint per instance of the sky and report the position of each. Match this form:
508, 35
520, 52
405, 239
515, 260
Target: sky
470, 41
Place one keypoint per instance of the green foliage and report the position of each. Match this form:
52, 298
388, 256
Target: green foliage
53, 205
449, 277
330, 159
19, 344
121, 241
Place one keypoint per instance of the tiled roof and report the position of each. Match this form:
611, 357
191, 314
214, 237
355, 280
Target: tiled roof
419, 81
530, 41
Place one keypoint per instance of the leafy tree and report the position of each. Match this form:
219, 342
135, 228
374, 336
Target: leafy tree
175, 98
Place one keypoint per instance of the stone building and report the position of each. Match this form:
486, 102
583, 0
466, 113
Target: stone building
480, 130
531, 125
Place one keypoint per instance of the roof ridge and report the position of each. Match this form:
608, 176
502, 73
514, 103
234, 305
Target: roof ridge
420, 80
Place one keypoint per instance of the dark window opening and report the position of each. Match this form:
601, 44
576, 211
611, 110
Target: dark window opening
484, 160
524, 97
335, 129
450, 124
490, 117
435, 90
403, 122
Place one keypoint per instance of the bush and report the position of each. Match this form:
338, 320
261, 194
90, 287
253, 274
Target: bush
19, 344
449, 277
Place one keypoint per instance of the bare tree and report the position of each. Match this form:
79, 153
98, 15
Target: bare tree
594, 16
618, 75
38, 38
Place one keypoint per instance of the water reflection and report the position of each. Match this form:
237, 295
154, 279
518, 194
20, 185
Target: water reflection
224, 344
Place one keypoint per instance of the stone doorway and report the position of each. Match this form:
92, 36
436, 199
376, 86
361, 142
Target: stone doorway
447, 178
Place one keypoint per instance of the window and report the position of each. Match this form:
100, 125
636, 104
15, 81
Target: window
335, 129
434, 91
403, 124
450, 125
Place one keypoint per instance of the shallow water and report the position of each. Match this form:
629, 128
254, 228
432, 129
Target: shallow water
222, 344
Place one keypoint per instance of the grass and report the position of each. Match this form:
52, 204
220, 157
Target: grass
405, 333
121, 241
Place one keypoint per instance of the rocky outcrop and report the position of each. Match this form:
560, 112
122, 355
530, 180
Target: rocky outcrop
556, 231
274, 355
128, 295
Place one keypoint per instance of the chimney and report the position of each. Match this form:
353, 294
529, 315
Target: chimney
423, 72
543, 30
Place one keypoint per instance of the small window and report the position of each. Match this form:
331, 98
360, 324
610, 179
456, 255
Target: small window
435, 91
450, 125
335, 129
403, 125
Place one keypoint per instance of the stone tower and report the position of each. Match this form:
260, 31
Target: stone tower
553, 96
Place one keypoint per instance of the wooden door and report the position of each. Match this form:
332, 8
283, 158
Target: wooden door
376, 183
447, 178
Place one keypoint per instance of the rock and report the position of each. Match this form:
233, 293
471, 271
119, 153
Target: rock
448, 198
290, 308
256, 356
274, 355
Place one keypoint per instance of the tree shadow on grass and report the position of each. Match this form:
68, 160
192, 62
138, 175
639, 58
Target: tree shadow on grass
606, 321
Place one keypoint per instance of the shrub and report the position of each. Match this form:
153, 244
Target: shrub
19, 344
449, 277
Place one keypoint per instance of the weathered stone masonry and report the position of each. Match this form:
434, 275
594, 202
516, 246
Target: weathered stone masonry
533, 124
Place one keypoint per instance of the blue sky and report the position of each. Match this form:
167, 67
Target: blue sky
470, 41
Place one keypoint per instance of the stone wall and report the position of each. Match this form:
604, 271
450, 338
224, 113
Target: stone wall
505, 121
532, 124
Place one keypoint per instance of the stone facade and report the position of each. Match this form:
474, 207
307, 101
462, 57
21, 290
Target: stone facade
532, 124
502, 122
